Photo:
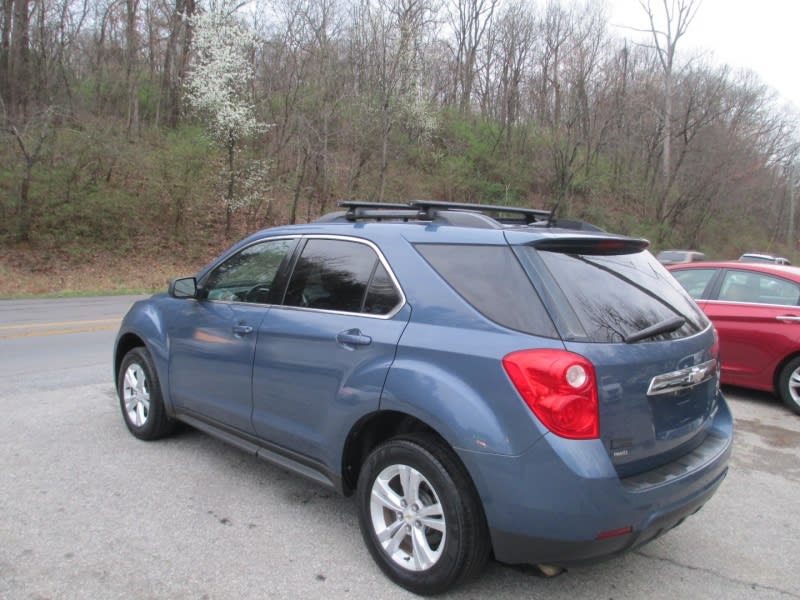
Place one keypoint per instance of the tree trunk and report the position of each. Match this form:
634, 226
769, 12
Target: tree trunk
231, 180
24, 209
19, 63
5, 51
131, 67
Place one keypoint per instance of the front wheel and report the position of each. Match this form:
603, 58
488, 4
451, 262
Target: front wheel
420, 515
140, 397
789, 384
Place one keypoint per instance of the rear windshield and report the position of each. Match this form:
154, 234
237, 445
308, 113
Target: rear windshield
613, 298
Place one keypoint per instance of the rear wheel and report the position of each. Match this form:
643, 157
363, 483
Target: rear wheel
420, 515
140, 397
789, 384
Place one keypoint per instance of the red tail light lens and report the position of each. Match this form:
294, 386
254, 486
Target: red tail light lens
560, 388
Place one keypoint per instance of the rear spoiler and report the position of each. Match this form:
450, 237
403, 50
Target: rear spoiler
592, 245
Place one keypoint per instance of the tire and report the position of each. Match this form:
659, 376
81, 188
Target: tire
140, 397
789, 384
420, 515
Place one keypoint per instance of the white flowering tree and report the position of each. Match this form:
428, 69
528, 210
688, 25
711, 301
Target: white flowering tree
218, 88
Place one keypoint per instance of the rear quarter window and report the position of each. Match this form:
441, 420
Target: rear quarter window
491, 279
695, 281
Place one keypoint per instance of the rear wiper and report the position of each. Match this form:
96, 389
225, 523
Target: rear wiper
665, 326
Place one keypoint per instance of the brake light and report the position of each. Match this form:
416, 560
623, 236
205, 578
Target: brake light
714, 350
560, 388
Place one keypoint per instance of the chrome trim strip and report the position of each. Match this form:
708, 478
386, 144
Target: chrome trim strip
683, 378
719, 301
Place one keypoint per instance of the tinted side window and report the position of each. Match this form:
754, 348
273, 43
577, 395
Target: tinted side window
332, 275
742, 286
247, 276
695, 281
491, 279
382, 296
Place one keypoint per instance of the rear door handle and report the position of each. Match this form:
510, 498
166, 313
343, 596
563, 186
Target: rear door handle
788, 318
242, 329
353, 337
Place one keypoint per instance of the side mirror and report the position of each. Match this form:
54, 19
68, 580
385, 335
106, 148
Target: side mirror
185, 287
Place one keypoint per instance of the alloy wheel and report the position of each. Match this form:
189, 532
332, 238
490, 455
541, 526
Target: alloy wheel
407, 517
136, 395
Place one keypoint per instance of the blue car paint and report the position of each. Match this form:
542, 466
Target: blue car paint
551, 503
211, 366
309, 390
538, 490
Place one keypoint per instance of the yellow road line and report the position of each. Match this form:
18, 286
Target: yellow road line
28, 334
57, 324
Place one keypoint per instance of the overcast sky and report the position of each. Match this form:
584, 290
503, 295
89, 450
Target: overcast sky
761, 35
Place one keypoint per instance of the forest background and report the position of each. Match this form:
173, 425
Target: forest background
139, 138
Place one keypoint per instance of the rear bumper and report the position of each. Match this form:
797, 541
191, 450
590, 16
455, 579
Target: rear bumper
556, 503
514, 548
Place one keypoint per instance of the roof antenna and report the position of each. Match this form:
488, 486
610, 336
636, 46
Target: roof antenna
551, 218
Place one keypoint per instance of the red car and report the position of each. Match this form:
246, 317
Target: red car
756, 310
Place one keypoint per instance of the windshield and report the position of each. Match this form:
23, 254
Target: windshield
619, 298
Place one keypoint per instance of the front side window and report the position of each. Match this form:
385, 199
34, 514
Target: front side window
248, 275
758, 288
343, 276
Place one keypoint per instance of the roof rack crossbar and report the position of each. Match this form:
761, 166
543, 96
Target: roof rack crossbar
367, 204
427, 210
530, 215
357, 209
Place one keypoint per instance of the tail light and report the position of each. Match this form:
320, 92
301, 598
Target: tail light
560, 388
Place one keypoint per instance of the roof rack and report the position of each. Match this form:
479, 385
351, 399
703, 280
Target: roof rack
449, 213
379, 211
528, 215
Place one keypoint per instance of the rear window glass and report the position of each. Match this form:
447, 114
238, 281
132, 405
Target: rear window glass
491, 279
611, 298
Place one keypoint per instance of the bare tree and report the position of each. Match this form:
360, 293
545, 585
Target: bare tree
469, 20
667, 30
32, 141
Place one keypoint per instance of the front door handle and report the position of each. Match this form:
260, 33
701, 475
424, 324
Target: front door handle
788, 318
242, 329
353, 337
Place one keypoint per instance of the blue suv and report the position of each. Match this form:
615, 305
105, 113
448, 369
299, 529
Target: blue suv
515, 384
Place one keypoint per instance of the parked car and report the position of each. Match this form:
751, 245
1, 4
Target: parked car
482, 385
756, 310
765, 258
674, 257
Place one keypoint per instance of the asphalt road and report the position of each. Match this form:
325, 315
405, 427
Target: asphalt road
88, 511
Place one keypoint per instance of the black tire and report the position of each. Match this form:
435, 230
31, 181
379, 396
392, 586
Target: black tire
461, 549
789, 384
140, 397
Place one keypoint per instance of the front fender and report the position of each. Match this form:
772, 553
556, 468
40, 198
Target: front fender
143, 325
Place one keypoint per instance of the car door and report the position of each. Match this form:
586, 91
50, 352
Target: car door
758, 321
322, 357
213, 342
